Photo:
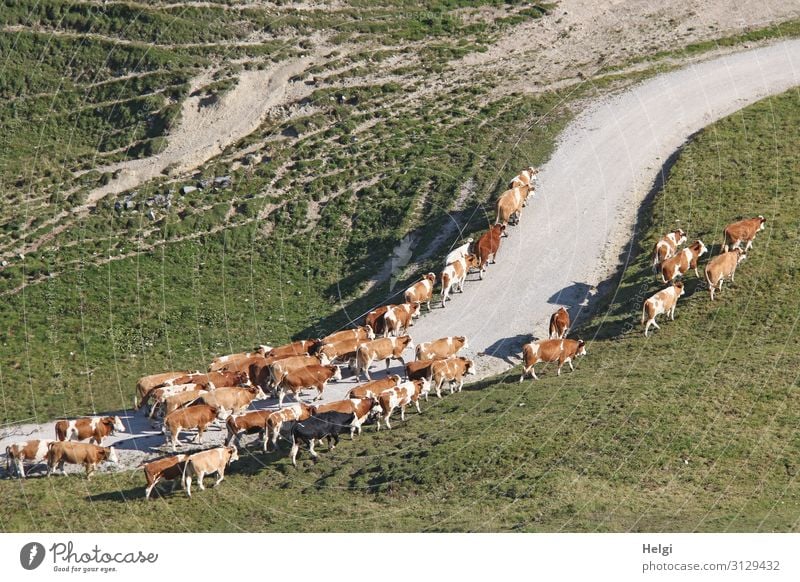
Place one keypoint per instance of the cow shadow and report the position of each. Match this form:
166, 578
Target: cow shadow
127, 495
505, 347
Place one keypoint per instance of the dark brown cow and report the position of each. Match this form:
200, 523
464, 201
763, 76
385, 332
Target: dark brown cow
164, 469
397, 319
562, 351
85, 454
743, 231
360, 407
373, 388
451, 370
721, 267
375, 321
279, 369
387, 348
421, 291
180, 400
251, 422
685, 259
94, 428
19, 452
488, 245
313, 376
559, 324
198, 416
441, 348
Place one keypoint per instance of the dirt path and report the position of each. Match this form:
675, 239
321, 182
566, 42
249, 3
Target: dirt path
590, 191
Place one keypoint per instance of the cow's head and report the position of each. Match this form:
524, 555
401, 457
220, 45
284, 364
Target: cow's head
472, 261
263, 350
741, 255
115, 423
763, 222
406, 342
370, 332
234, 454
396, 379
680, 236
678, 285
415, 308
324, 356
462, 339
424, 387
337, 373
241, 378
581, 351
111, 455
699, 248
469, 366
259, 393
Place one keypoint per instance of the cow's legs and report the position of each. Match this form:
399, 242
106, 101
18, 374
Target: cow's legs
416, 403
200, 476
20, 465
188, 485
311, 450
439, 388
220, 477
460, 384
293, 453
319, 388
386, 419
403, 413
150, 488
571, 369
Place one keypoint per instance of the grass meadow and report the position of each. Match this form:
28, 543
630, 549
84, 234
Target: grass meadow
692, 429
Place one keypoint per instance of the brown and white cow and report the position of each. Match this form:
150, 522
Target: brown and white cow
510, 203
251, 422
34, 451
212, 380
280, 368
421, 291
373, 388
362, 333
397, 319
193, 417
147, 383
721, 267
293, 412
343, 350
419, 369
455, 274
562, 351
222, 362
666, 247
743, 231
387, 348
401, 396
374, 319
86, 454
235, 400
207, 463
488, 245
526, 177
559, 324
175, 401
683, 261
298, 348
451, 370
459, 252
164, 469
94, 428
360, 407
441, 348
662, 302
158, 396
313, 376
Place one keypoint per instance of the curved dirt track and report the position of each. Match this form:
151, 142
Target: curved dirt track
579, 222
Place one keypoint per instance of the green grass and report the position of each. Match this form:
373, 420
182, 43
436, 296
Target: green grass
692, 429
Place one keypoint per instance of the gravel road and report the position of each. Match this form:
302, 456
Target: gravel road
580, 221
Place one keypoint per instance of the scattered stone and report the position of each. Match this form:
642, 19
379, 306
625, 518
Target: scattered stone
118, 206
151, 215
222, 181
130, 205
204, 183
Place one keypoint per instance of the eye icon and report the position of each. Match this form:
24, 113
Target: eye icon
31, 555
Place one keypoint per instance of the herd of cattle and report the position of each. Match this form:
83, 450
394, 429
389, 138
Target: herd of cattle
193, 401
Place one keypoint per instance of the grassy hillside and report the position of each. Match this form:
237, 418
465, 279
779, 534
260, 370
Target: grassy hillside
692, 429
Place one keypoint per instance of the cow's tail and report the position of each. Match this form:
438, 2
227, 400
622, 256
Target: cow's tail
8, 459
61, 432
644, 312
183, 474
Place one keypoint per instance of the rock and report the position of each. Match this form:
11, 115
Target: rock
118, 206
151, 215
222, 181
130, 204
205, 183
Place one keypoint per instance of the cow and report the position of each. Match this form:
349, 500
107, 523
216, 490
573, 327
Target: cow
328, 425
298, 348
164, 469
458, 253
147, 383
244, 364
157, 396
683, 261
235, 400
85, 454
723, 266
662, 302
451, 370
559, 324
387, 348
420, 369
398, 318
562, 351
743, 231
181, 400
666, 247
488, 245
313, 376
510, 203
455, 274
207, 463
294, 412
421, 291
198, 416
526, 177
373, 388
360, 407
223, 362
94, 428
441, 348
19, 452
401, 396
374, 319
251, 422
279, 369
362, 333
343, 350
213, 380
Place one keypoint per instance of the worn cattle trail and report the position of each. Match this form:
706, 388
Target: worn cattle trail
576, 227
583, 214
